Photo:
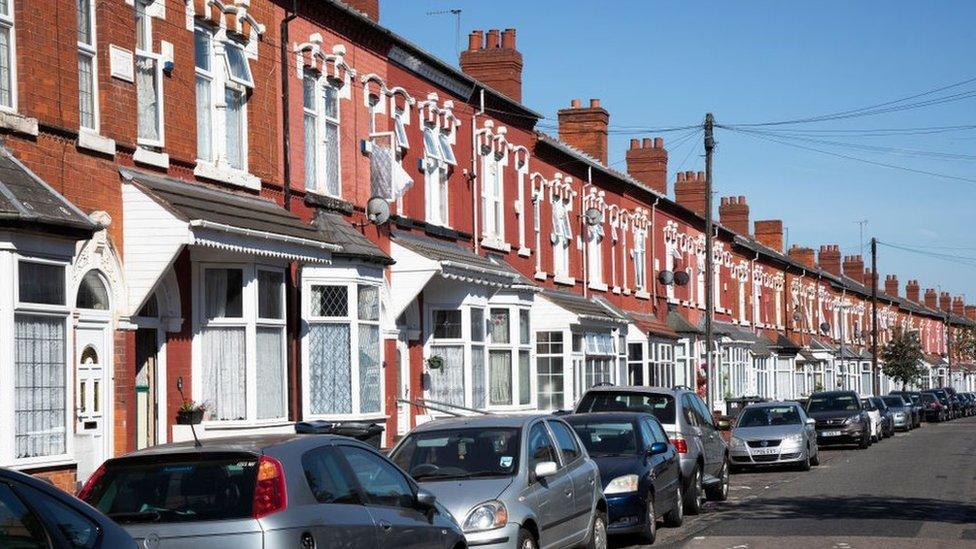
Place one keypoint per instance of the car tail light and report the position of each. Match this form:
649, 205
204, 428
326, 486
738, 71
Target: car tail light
680, 444
270, 495
92, 480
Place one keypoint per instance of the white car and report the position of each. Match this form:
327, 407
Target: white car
877, 430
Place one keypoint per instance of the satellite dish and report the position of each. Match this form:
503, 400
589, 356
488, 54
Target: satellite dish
377, 210
681, 278
666, 278
797, 316
592, 216
824, 326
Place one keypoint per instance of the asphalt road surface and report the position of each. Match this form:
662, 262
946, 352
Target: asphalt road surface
915, 490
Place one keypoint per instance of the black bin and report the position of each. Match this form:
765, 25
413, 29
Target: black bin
370, 433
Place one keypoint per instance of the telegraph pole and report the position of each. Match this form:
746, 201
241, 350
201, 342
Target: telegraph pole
875, 380
709, 270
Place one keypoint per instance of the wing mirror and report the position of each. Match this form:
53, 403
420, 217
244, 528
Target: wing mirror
545, 469
657, 448
724, 424
425, 499
810, 421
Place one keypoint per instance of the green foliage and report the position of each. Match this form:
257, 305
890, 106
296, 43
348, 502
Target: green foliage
964, 345
902, 357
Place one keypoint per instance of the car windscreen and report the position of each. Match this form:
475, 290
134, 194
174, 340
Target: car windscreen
177, 488
661, 405
928, 397
459, 453
767, 416
606, 438
833, 403
894, 401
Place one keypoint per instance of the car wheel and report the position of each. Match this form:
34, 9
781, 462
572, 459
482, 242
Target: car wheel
804, 465
815, 460
694, 496
865, 441
649, 529
598, 534
676, 515
526, 540
720, 492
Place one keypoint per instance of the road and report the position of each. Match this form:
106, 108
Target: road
917, 486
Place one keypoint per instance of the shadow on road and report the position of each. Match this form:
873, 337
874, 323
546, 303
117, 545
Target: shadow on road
862, 507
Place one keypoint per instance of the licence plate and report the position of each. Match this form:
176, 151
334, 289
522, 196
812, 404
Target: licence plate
830, 433
764, 451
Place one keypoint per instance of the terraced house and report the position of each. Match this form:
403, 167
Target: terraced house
183, 196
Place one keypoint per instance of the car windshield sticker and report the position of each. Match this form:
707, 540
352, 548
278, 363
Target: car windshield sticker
506, 461
171, 469
432, 442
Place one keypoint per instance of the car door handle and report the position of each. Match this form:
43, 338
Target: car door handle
569, 494
385, 525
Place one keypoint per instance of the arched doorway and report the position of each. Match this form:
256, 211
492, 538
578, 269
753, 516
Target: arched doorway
93, 369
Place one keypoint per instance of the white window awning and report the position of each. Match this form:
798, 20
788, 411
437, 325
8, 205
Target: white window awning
162, 215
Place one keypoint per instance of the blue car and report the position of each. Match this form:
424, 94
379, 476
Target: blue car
639, 469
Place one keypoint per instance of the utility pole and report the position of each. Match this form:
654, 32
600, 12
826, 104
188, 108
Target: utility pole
948, 350
709, 271
875, 380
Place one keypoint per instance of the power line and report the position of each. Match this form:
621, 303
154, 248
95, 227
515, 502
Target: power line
969, 261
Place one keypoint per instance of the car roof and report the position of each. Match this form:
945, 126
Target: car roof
772, 404
249, 443
607, 416
833, 393
482, 421
634, 389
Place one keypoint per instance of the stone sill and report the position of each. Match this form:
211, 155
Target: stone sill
18, 123
226, 174
564, 280
495, 244
151, 158
92, 141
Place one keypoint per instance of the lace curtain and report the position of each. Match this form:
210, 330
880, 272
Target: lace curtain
39, 386
222, 360
369, 368
330, 370
204, 131
147, 98
447, 382
500, 377
478, 376
525, 378
271, 373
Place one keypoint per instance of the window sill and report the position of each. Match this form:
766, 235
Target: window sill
598, 286
616, 290
63, 460
641, 294
226, 174
151, 158
565, 280
18, 123
524, 252
92, 141
347, 417
541, 275
493, 243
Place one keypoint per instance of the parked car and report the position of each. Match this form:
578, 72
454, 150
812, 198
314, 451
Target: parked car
774, 433
520, 482
874, 414
704, 454
840, 418
932, 408
970, 403
269, 491
37, 514
887, 417
914, 399
944, 408
902, 414
639, 470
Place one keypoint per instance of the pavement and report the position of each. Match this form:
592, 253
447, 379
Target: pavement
915, 490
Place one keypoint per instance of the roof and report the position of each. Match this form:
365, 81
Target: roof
337, 230
681, 325
650, 325
784, 343
762, 347
480, 422
26, 201
450, 253
818, 345
582, 306
199, 203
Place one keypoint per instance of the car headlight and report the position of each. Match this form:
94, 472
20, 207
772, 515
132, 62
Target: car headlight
737, 442
621, 485
486, 516
899, 415
795, 437
852, 420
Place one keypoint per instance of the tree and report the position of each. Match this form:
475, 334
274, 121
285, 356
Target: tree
964, 343
902, 357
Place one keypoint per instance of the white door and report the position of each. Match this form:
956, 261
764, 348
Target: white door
403, 409
93, 360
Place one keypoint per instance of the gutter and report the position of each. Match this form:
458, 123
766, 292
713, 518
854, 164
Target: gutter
285, 122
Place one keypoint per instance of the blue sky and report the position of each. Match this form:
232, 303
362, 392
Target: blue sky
664, 64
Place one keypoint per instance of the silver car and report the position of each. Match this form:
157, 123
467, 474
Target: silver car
702, 451
269, 491
512, 481
774, 433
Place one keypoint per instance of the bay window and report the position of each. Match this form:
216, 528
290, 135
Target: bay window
663, 365
478, 374
87, 73
343, 352
549, 370
40, 376
8, 57
446, 364
600, 359
241, 342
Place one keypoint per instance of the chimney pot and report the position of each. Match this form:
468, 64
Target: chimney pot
647, 143
492, 39
476, 40
575, 103
658, 142
681, 176
594, 103
508, 39
635, 143
701, 176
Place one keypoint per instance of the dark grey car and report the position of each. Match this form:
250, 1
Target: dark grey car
35, 514
269, 491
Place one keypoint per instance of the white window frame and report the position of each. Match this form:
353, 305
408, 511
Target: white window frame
565, 344
352, 282
493, 198
90, 51
210, 76
323, 123
437, 172
250, 322
8, 391
639, 253
594, 254
7, 23
145, 19
561, 242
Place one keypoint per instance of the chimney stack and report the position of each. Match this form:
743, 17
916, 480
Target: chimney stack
495, 61
585, 128
867, 280
891, 285
689, 191
829, 258
803, 255
971, 312
931, 299
912, 291
945, 301
647, 162
958, 306
769, 233
854, 268
733, 212
369, 8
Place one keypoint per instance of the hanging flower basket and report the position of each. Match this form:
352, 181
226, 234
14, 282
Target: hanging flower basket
190, 413
435, 363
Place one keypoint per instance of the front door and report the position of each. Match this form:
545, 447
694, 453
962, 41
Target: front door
92, 361
147, 413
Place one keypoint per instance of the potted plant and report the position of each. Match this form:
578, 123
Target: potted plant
435, 362
190, 413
